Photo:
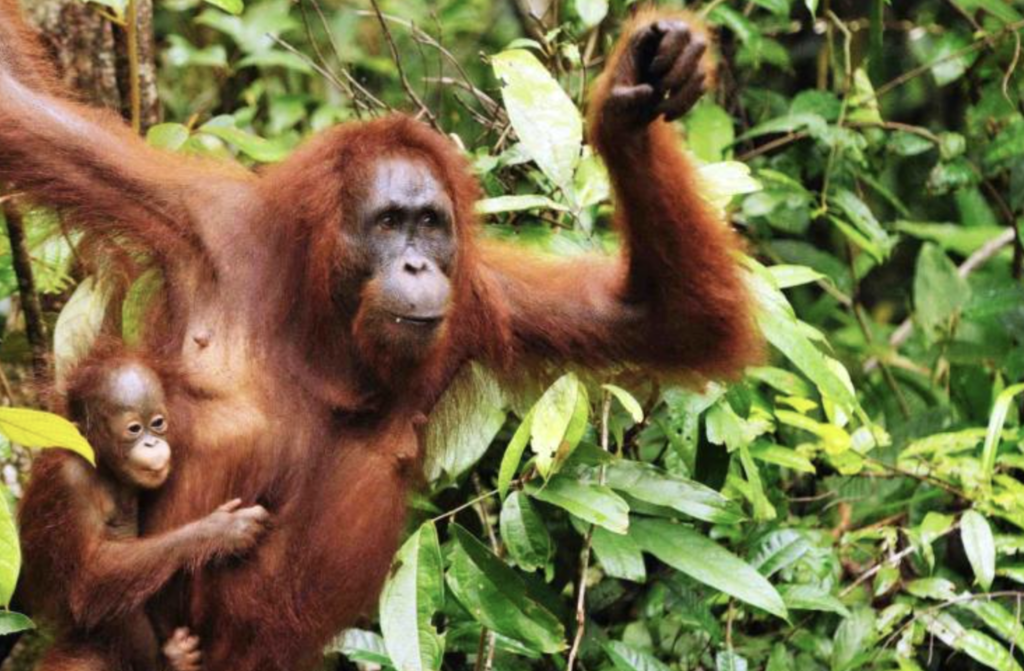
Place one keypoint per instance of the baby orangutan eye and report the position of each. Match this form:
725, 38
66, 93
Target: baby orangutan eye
134, 430
159, 424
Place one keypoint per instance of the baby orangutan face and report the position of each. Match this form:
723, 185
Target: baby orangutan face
130, 416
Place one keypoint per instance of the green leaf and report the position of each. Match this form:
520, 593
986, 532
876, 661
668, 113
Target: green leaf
860, 215
728, 660
514, 454
523, 531
464, 422
253, 146
709, 131
650, 484
939, 291
78, 325
230, 6
168, 136
998, 619
812, 6
980, 547
517, 204
542, 114
11, 623
627, 658
619, 555
592, 12
631, 405
787, 276
995, 429
596, 504
781, 456
37, 429
359, 645
411, 596
10, 553
779, 549
978, 646
1004, 11
854, 637
811, 597
559, 420
496, 597
705, 561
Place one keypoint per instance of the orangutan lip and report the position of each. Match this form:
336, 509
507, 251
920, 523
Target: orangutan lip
417, 321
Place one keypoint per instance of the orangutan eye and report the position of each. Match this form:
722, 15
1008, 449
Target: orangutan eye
430, 219
134, 429
388, 220
159, 424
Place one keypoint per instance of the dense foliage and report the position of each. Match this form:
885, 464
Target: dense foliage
856, 503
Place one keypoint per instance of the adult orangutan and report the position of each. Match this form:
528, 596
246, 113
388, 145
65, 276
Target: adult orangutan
318, 309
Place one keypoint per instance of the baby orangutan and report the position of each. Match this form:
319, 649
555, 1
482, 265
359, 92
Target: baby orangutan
87, 570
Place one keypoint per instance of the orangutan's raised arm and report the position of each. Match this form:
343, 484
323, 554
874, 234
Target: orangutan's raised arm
87, 163
675, 300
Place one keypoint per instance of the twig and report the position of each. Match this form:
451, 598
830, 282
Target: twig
581, 590
409, 90
894, 560
975, 260
35, 327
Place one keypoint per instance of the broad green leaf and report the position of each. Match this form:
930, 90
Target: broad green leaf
230, 6
811, 597
596, 504
763, 509
787, 276
854, 637
359, 645
544, 117
592, 12
411, 596
963, 240
998, 8
619, 555
10, 552
980, 547
253, 146
705, 561
168, 136
779, 549
514, 454
627, 658
784, 381
938, 589
12, 623
728, 660
980, 647
559, 420
939, 291
524, 533
858, 213
464, 422
1000, 620
781, 456
649, 483
78, 325
37, 429
720, 182
631, 405
517, 204
709, 131
995, 429
496, 597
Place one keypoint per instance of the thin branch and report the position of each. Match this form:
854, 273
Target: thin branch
409, 90
894, 560
134, 83
35, 327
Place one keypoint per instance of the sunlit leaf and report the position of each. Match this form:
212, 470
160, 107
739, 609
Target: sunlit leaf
10, 553
979, 546
705, 561
592, 503
37, 429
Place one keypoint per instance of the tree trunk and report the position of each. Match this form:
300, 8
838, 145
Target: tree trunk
92, 53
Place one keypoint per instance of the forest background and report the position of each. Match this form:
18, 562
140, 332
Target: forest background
856, 503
